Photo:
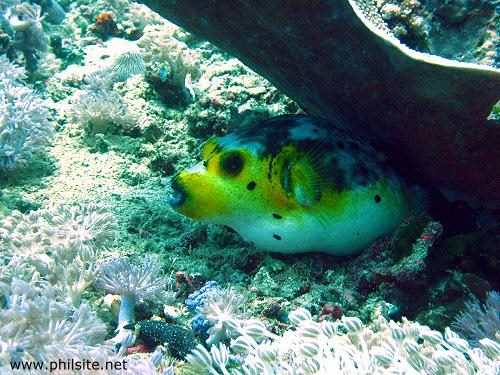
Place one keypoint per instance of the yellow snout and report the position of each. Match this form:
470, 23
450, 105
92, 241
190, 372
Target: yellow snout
194, 193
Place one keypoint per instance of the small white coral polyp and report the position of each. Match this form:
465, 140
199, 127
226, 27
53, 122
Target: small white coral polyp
88, 228
144, 281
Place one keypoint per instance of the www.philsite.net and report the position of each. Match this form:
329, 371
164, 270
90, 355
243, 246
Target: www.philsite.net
69, 365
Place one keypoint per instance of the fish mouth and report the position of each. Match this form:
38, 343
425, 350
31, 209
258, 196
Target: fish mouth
177, 195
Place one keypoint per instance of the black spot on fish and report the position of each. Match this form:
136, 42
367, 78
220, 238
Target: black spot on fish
357, 234
205, 163
276, 216
377, 198
277, 237
315, 130
251, 185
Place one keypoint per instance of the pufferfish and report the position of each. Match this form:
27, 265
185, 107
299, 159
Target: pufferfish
294, 184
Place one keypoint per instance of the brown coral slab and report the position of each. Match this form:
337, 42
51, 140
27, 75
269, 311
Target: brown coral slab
328, 57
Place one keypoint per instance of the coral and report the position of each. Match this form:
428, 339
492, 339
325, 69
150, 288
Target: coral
198, 298
346, 347
330, 311
173, 64
409, 265
35, 326
196, 301
98, 106
276, 278
132, 283
180, 341
24, 124
105, 25
138, 17
58, 245
405, 20
223, 311
29, 38
476, 323
126, 65
391, 266
10, 73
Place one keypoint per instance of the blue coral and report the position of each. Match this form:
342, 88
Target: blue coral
196, 301
198, 298
200, 325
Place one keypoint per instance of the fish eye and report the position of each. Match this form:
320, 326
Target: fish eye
232, 163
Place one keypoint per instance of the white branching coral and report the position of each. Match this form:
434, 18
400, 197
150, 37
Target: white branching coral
99, 107
346, 347
24, 125
132, 282
34, 326
58, 245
